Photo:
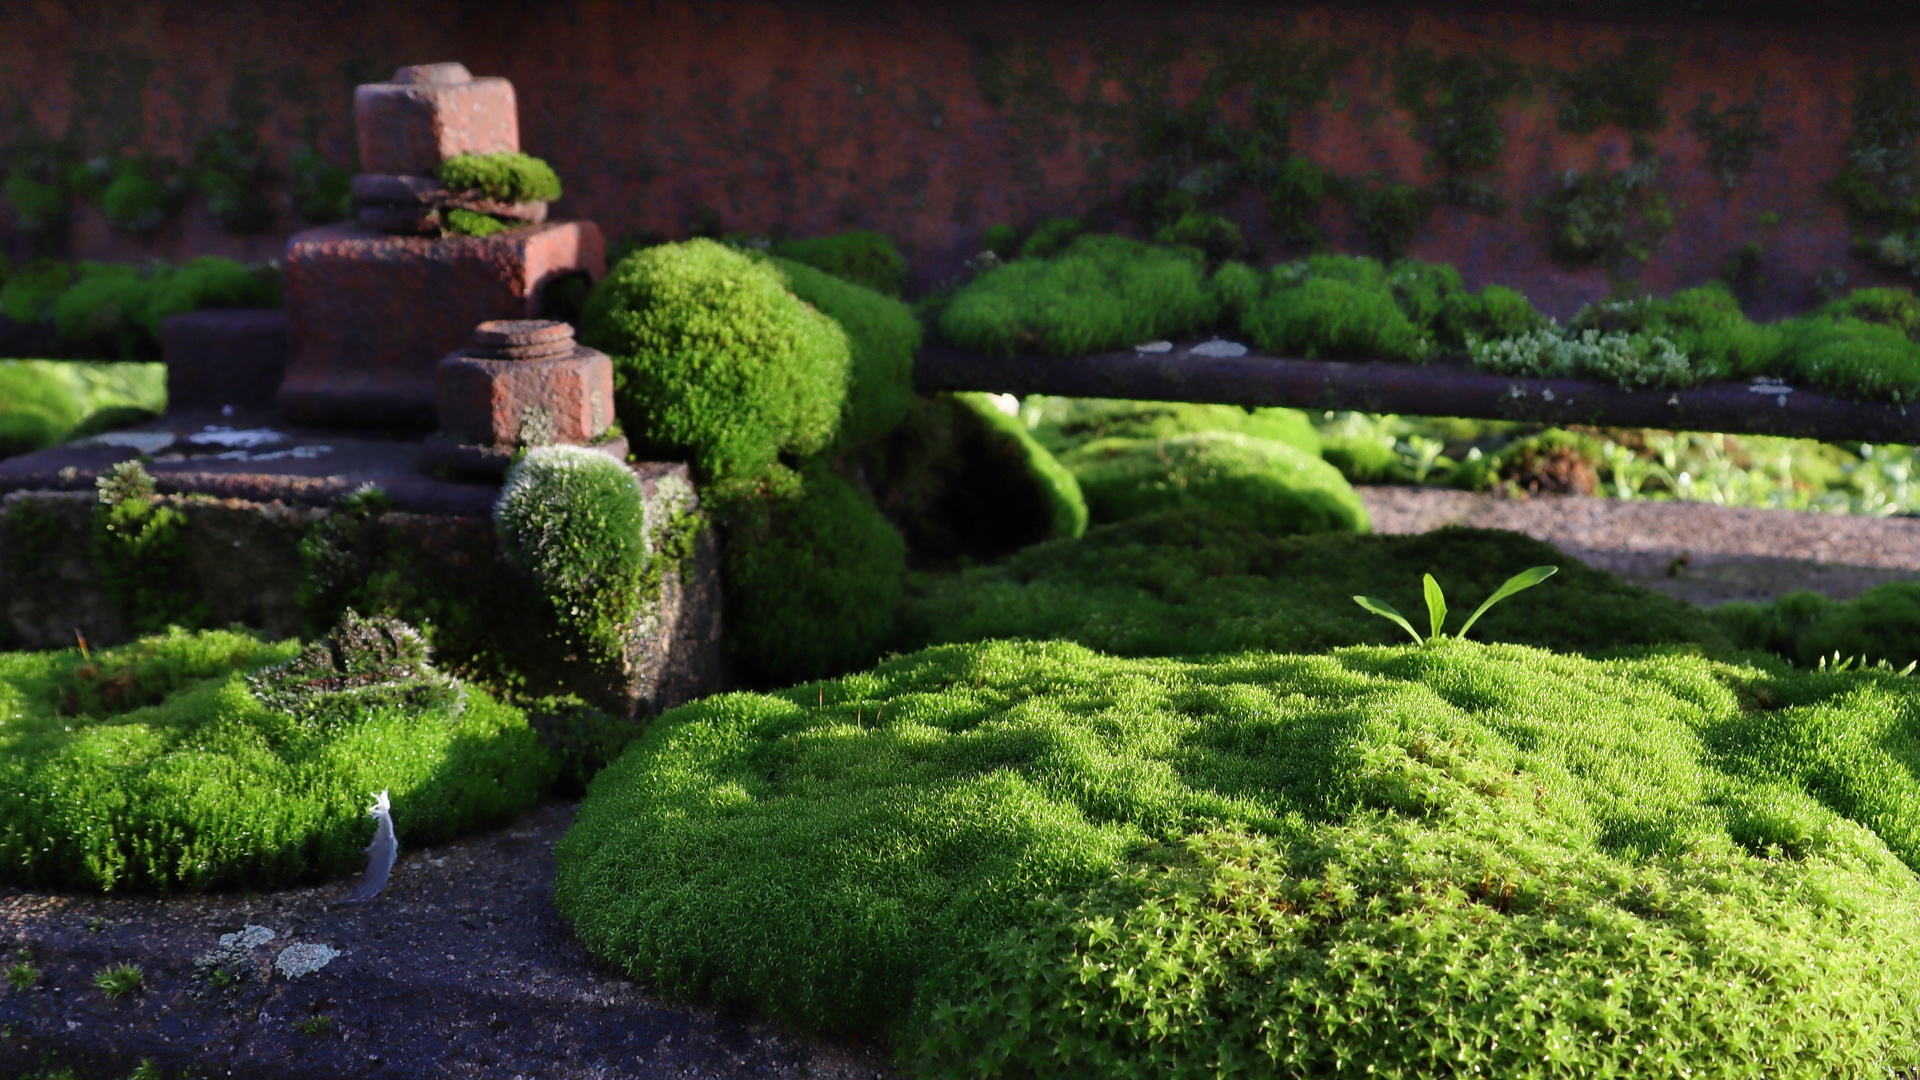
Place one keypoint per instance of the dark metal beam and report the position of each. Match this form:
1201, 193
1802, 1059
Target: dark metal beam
1420, 390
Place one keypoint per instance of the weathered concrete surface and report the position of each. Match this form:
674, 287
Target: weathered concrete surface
369, 315
933, 120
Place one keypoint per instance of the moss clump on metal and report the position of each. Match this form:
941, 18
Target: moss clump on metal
1102, 292
1270, 485
861, 256
575, 521
506, 177
716, 361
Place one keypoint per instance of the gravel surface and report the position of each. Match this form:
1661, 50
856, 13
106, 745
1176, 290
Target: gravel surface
1698, 552
461, 968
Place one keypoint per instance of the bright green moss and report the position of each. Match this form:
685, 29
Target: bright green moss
30, 291
575, 521
508, 177
1852, 358
812, 574
1199, 582
1495, 312
209, 282
861, 256
1880, 625
1216, 238
153, 767
1897, 308
43, 402
1030, 859
882, 336
1238, 286
1101, 293
715, 360
1422, 289
1274, 487
1329, 318
115, 310
461, 222
1066, 423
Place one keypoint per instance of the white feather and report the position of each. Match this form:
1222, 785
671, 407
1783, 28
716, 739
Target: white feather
380, 854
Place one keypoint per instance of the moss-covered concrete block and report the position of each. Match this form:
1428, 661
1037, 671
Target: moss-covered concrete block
286, 570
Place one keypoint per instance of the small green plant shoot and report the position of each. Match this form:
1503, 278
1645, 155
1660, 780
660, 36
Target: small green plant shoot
23, 975
118, 982
1437, 603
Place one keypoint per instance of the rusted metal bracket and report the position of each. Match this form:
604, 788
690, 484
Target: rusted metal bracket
1439, 389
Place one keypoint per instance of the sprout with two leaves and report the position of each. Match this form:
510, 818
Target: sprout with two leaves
1437, 603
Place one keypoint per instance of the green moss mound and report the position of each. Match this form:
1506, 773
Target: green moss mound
1197, 582
153, 766
1880, 626
1030, 859
883, 336
508, 177
1066, 423
813, 575
715, 360
860, 256
1100, 293
43, 402
574, 520
1272, 486
963, 480
1331, 318
1851, 357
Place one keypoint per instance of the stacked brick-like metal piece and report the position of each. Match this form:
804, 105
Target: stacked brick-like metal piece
370, 313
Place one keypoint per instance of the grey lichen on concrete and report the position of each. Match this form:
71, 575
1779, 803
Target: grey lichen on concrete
303, 958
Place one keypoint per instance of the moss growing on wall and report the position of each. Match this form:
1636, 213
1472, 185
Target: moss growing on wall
1626, 89
1607, 219
139, 549
1456, 102
1733, 136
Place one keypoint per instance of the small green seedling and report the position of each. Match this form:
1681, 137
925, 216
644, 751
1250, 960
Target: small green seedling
23, 975
118, 982
318, 1024
1437, 603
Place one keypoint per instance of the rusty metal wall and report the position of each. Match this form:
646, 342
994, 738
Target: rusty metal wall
812, 117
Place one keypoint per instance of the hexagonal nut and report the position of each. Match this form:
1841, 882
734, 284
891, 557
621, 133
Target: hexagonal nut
526, 402
409, 128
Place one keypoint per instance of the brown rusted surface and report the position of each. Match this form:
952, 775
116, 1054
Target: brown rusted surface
509, 401
411, 127
1422, 390
371, 315
815, 117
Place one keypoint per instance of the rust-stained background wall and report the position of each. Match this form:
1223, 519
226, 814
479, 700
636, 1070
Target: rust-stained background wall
810, 118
